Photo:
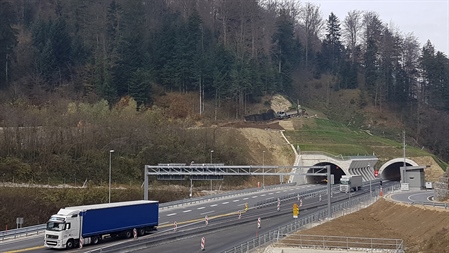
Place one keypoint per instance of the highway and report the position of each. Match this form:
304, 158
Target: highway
186, 216
225, 237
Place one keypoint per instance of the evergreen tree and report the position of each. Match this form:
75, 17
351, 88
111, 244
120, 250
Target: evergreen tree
189, 53
332, 47
132, 53
164, 51
285, 51
140, 87
8, 40
53, 51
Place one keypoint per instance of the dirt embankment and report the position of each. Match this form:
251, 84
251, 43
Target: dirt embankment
422, 229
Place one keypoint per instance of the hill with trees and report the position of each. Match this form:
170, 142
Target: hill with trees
79, 78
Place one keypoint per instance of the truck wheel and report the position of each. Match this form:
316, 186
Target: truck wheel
95, 240
70, 244
128, 234
140, 231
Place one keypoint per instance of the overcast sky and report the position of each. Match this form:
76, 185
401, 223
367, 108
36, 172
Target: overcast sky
427, 19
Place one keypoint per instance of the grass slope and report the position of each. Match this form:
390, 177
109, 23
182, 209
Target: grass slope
317, 134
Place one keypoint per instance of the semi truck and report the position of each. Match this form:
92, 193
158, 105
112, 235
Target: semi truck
90, 224
350, 182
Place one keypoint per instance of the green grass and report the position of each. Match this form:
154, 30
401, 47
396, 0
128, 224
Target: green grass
337, 139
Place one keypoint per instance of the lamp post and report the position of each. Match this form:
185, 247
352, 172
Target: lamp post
370, 175
110, 171
211, 152
263, 169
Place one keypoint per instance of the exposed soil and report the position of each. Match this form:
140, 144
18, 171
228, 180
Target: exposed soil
422, 229
268, 125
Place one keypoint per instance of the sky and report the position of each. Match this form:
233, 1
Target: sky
426, 19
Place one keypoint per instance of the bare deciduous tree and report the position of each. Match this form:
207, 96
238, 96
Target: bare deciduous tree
313, 23
352, 26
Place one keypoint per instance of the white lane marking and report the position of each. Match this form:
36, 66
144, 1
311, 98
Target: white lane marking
270, 193
241, 204
224, 203
206, 212
213, 205
237, 200
253, 197
421, 193
245, 198
270, 198
278, 192
186, 211
171, 214
199, 208
263, 195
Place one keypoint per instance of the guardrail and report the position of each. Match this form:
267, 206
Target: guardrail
342, 243
428, 203
191, 201
26, 231
31, 230
303, 195
339, 209
339, 157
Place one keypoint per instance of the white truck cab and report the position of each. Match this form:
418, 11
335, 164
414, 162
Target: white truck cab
63, 230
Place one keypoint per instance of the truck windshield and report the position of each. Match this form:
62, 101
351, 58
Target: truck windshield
55, 226
344, 182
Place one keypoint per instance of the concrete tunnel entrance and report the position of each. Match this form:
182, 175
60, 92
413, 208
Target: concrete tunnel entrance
335, 170
393, 172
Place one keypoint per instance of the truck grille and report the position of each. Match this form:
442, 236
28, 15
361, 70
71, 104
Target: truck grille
51, 243
52, 237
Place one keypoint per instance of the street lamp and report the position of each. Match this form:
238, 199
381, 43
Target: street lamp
211, 152
370, 175
263, 169
110, 170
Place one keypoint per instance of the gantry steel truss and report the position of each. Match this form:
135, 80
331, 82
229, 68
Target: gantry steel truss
199, 170
234, 170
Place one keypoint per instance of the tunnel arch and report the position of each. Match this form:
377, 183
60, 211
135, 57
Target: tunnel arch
336, 170
391, 169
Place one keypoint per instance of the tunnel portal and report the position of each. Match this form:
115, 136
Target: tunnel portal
335, 170
393, 171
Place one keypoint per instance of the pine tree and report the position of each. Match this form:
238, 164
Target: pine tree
8, 40
140, 87
332, 46
285, 51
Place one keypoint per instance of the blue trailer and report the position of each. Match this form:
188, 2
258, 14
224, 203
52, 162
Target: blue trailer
91, 223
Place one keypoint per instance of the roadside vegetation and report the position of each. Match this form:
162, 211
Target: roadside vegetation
36, 204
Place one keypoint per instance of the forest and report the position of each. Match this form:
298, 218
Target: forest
65, 63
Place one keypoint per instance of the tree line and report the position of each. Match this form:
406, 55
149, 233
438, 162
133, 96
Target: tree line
228, 50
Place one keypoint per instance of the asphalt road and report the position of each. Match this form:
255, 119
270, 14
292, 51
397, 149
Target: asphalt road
413, 196
190, 215
221, 239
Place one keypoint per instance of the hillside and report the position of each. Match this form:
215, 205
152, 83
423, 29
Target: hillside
422, 229
316, 132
